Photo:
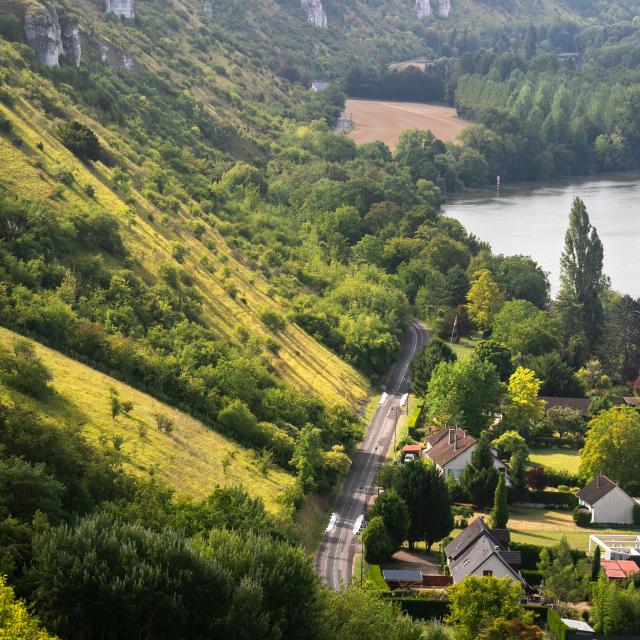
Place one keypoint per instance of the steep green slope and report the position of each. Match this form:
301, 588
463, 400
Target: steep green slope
191, 459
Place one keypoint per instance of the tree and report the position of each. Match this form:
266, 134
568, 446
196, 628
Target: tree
466, 391
377, 545
521, 407
354, 613
425, 361
611, 447
480, 477
518, 474
80, 140
582, 281
484, 299
563, 582
537, 478
521, 278
477, 601
524, 329
530, 41
496, 354
595, 564
307, 457
509, 443
622, 337
616, 610
423, 489
393, 510
566, 422
500, 513
16, 622
558, 378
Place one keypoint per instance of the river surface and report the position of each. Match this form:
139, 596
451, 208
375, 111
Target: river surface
531, 219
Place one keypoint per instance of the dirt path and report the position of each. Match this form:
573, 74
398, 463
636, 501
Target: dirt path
382, 120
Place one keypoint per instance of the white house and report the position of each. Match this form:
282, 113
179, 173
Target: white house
451, 450
481, 551
607, 502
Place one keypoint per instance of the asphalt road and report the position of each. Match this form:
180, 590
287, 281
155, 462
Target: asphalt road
334, 560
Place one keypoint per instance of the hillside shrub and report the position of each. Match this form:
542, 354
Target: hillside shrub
23, 370
582, 517
80, 140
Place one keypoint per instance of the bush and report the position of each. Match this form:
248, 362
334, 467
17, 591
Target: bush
164, 423
80, 140
537, 478
423, 609
23, 370
558, 477
636, 514
272, 320
582, 517
557, 499
530, 554
532, 576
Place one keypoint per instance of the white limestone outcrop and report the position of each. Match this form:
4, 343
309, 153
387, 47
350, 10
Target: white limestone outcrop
43, 33
316, 14
121, 8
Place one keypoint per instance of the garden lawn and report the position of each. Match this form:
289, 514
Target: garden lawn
546, 527
558, 459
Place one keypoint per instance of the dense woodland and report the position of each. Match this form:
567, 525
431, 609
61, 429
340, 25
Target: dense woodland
213, 138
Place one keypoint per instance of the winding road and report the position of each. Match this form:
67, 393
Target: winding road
334, 559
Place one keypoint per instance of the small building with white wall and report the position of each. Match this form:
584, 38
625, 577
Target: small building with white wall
451, 450
607, 502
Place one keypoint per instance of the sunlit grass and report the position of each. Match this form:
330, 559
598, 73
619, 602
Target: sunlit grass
192, 459
558, 459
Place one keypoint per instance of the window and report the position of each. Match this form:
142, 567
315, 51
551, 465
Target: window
487, 573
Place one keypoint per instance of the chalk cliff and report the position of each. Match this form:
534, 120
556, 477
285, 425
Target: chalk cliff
316, 14
43, 34
121, 8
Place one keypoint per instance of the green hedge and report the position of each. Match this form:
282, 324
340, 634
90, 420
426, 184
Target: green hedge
374, 575
532, 576
557, 628
423, 609
560, 498
530, 554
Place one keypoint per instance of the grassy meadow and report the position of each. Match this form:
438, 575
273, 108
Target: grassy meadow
192, 459
559, 459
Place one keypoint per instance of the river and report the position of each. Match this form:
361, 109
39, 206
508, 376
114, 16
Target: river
531, 219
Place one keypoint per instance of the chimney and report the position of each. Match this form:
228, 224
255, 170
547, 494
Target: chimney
452, 435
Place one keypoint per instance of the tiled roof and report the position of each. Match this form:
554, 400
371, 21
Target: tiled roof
412, 448
468, 536
619, 569
632, 401
450, 446
579, 404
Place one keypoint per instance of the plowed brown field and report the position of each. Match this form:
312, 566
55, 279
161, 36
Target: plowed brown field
383, 120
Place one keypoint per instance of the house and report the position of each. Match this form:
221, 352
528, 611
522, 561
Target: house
411, 452
482, 551
319, 85
451, 449
607, 502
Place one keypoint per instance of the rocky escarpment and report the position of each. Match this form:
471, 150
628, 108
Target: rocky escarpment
121, 8
428, 8
115, 57
43, 34
71, 43
316, 14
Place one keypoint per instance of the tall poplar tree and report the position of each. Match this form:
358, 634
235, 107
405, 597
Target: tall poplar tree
582, 283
